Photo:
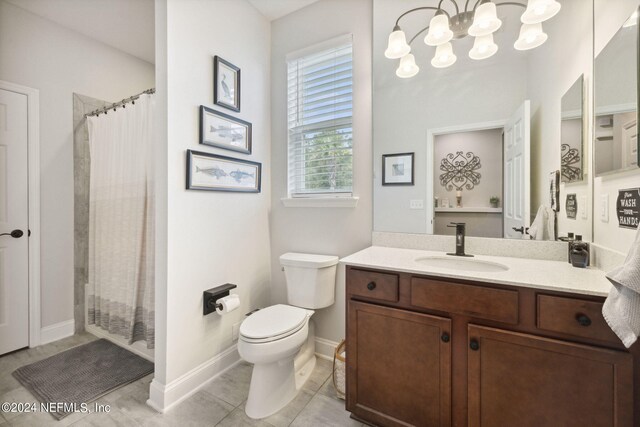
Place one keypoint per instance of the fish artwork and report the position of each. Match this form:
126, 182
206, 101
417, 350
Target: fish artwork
239, 175
214, 171
227, 132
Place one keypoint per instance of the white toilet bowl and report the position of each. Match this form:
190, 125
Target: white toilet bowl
272, 339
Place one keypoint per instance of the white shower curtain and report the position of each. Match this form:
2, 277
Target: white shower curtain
121, 221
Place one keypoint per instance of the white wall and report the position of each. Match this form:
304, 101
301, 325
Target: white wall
208, 238
335, 231
553, 68
40, 54
609, 17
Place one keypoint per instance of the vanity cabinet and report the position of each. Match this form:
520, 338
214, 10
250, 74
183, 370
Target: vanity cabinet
429, 351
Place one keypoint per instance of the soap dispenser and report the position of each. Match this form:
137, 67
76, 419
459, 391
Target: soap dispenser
579, 253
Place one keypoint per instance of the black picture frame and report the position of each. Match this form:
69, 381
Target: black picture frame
219, 96
207, 139
386, 180
223, 172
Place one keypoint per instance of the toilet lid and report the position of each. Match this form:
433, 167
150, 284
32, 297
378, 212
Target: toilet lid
272, 321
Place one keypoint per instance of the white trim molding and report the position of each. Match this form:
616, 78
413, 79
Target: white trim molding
325, 348
57, 331
163, 397
320, 202
33, 155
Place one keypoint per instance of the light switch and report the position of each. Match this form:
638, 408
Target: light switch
604, 208
582, 207
416, 204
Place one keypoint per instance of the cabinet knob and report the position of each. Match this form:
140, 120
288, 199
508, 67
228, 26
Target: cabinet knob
583, 319
445, 337
474, 345
371, 285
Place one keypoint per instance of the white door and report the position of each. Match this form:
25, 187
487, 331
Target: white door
517, 191
14, 255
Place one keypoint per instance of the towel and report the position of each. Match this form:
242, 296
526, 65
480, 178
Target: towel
621, 310
543, 226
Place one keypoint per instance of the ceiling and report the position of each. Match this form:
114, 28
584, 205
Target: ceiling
127, 25
274, 9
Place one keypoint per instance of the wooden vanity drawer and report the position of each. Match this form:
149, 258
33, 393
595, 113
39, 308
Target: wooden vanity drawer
573, 316
371, 284
469, 300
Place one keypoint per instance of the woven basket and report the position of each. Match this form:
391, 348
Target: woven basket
339, 369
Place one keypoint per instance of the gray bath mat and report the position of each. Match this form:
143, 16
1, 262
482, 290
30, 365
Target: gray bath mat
81, 375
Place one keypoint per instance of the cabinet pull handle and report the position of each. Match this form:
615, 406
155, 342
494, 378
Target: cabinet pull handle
445, 337
371, 285
583, 319
474, 345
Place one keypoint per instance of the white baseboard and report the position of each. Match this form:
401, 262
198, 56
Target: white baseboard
57, 331
325, 348
164, 397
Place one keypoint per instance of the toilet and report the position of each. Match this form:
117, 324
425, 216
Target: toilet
279, 340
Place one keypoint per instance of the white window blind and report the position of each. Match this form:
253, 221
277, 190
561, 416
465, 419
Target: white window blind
320, 103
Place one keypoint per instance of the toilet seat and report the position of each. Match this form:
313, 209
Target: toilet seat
273, 323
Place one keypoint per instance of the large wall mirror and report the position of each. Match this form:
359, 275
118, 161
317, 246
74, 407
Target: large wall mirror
478, 97
572, 146
616, 100
615, 115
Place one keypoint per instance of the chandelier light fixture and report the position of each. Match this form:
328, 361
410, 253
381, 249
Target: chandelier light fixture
479, 22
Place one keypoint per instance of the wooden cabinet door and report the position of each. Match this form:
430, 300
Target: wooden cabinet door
522, 380
398, 366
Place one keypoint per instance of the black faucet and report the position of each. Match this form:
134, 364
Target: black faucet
460, 230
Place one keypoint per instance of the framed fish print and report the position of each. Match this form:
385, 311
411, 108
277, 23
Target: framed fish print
212, 172
226, 84
224, 131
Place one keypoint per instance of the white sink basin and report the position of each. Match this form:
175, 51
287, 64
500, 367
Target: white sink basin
462, 264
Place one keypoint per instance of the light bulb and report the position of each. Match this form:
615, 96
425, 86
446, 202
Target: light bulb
444, 56
485, 20
539, 11
531, 36
439, 31
407, 67
483, 47
397, 46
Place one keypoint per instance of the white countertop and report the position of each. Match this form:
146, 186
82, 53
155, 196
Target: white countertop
531, 273
481, 209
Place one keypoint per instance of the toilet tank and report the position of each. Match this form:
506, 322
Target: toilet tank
311, 279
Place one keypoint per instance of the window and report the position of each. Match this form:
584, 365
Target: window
320, 103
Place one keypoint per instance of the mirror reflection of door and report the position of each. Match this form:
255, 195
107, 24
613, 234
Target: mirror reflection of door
517, 171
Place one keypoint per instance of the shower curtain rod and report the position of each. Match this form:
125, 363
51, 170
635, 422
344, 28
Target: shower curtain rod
122, 103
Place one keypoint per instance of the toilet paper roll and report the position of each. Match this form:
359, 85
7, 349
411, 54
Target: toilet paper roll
228, 303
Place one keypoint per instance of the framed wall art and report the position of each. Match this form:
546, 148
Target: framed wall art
226, 84
397, 169
224, 131
212, 172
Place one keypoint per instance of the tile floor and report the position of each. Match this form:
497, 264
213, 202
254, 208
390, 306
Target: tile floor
219, 403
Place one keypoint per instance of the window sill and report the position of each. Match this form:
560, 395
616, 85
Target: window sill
320, 202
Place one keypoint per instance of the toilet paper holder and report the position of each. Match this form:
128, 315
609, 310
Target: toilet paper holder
210, 296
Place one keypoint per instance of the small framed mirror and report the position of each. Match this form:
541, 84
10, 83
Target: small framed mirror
616, 102
571, 133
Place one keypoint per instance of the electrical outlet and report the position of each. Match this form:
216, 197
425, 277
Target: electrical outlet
235, 331
583, 207
416, 204
604, 208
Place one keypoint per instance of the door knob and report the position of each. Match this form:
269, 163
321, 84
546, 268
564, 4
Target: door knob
521, 229
16, 234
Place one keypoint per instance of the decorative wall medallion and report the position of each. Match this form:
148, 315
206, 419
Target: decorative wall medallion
460, 171
569, 158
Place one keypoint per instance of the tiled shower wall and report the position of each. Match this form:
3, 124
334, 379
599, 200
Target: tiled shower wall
81, 167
